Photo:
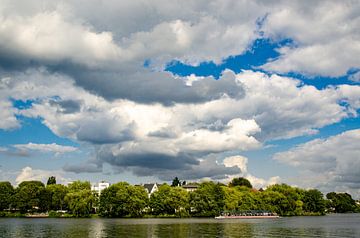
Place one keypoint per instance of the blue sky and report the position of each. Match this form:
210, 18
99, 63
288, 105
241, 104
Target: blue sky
143, 93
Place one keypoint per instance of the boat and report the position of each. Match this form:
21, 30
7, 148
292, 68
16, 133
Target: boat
249, 214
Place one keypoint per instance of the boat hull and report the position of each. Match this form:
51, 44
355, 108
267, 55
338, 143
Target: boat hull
246, 217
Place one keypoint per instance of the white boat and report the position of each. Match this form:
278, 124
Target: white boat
252, 214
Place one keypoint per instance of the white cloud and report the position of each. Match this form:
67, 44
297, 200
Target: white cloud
325, 34
326, 37
241, 162
332, 163
53, 148
45, 36
8, 120
272, 107
29, 174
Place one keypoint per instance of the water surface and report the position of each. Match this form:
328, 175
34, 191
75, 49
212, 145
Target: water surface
342, 225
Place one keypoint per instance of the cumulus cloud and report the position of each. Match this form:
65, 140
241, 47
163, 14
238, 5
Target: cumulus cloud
241, 163
28, 174
8, 120
53, 148
135, 135
331, 163
45, 36
81, 65
326, 41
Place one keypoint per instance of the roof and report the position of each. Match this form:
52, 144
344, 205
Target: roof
149, 186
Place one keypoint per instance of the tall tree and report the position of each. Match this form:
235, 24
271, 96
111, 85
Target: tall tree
341, 202
28, 195
207, 200
80, 199
51, 180
122, 199
6, 193
176, 182
57, 193
169, 200
314, 201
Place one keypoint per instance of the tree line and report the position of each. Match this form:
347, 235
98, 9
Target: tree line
125, 200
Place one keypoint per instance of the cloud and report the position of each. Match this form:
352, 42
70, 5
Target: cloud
53, 148
133, 134
329, 47
87, 167
8, 120
29, 174
241, 162
355, 77
331, 163
44, 37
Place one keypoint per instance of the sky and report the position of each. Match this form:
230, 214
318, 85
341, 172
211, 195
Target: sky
143, 91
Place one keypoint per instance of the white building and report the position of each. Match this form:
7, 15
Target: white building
150, 188
99, 187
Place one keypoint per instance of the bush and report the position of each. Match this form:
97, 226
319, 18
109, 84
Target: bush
54, 214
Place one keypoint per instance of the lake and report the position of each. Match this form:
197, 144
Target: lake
337, 225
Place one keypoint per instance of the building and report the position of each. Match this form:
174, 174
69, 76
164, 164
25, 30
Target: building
190, 187
150, 188
99, 186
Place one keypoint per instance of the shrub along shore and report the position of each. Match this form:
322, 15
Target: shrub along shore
34, 199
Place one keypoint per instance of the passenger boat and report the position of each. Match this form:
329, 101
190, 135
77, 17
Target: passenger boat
252, 214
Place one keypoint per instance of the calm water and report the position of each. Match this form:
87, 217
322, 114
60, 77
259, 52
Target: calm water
347, 225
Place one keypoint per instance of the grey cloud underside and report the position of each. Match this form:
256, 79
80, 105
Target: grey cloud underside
83, 168
165, 167
145, 86
67, 106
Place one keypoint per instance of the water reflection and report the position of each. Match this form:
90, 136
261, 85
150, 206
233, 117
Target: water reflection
329, 226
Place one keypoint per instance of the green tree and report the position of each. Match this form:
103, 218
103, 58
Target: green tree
292, 204
6, 195
28, 195
57, 194
79, 185
51, 180
240, 182
169, 200
176, 182
80, 203
122, 199
80, 199
341, 202
314, 201
207, 200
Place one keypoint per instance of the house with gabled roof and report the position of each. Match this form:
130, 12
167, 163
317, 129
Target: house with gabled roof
150, 188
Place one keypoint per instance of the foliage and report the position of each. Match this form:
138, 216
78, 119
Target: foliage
6, 193
207, 200
341, 202
80, 202
54, 214
51, 180
169, 200
79, 185
314, 201
176, 182
29, 196
122, 199
240, 182
80, 199
125, 200
57, 196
